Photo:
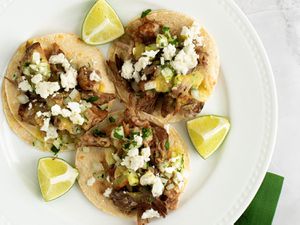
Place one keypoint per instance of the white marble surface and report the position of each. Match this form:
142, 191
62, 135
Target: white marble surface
278, 25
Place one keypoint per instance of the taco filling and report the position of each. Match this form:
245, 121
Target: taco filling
158, 65
62, 99
142, 172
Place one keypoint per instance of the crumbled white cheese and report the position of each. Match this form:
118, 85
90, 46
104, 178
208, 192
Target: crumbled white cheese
22, 98
186, 59
95, 77
51, 133
69, 79
142, 63
90, 182
150, 213
37, 78
192, 33
147, 179
150, 179
30, 106
56, 110
45, 88
45, 114
46, 124
170, 169
133, 163
75, 116
36, 58
157, 188
139, 140
146, 152
169, 52
60, 59
127, 70
162, 61
107, 192
144, 77
133, 152
25, 86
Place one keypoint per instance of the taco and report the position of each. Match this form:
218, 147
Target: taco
55, 88
131, 165
165, 64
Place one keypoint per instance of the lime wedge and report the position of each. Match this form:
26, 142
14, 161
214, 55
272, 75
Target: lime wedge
208, 133
55, 177
101, 25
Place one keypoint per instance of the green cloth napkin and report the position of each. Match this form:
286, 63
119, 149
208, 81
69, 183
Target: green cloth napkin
262, 208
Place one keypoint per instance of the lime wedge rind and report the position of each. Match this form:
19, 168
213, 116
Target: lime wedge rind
54, 187
110, 24
207, 133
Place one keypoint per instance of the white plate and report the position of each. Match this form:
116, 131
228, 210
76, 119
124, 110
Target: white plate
221, 187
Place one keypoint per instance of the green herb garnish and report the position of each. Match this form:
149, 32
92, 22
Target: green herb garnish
112, 119
145, 13
146, 132
54, 150
92, 99
165, 29
98, 133
167, 145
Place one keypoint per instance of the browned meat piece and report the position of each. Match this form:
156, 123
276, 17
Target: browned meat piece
168, 105
28, 114
148, 31
88, 139
188, 105
146, 102
126, 128
160, 138
123, 201
203, 56
94, 115
160, 206
98, 98
120, 82
56, 69
124, 47
84, 79
58, 99
149, 70
30, 49
172, 198
134, 120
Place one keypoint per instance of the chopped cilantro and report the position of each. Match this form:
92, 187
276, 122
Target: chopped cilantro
54, 150
175, 42
145, 13
146, 132
118, 136
126, 145
112, 119
92, 99
165, 29
167, 145
98, 133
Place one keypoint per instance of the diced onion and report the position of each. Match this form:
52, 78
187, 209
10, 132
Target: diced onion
196, 94
23, 99
150, 85
74, 94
